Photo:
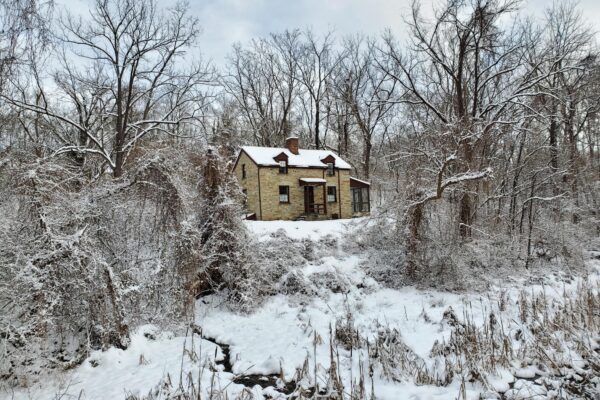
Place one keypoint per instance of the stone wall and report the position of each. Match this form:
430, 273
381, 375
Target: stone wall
271, 179
249, 184
345, 198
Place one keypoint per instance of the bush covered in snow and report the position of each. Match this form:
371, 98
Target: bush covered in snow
442, 262
84, 262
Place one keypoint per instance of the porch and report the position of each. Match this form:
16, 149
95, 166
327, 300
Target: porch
315, 198
361, 196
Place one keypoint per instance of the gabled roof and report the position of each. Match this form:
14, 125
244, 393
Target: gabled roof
265, 156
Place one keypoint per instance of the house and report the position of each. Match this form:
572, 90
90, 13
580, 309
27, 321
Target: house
293, 183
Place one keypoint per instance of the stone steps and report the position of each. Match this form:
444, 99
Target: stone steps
312, 217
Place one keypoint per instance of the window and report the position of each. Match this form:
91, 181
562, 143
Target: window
245, 199
331, 194
330, 169
360, 200
243, 171
284, 194
283, 167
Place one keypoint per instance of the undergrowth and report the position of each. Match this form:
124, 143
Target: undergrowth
548, 344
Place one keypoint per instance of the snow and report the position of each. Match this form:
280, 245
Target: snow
289, 336
501, 383
114, 373
304, 158
279, 336
528, 372
314, 230
313, 180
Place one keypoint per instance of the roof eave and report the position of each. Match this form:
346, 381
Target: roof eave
248, 155
302, 166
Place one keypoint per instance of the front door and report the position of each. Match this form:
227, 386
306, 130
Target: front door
309, 199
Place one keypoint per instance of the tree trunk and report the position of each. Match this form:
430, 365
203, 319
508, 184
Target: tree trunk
118, 171
573, 156
317, 139
121, 339
367, 158
414, 217
553, 132
466, 207
530, 220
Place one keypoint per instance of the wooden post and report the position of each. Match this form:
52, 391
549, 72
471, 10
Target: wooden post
325, 198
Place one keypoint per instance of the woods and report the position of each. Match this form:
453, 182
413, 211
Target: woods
479, 132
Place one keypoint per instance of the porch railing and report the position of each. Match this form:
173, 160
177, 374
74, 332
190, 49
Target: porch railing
316, 208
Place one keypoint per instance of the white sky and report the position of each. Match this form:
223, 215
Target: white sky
225, 22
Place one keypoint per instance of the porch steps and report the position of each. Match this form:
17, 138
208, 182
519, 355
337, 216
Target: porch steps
312, 217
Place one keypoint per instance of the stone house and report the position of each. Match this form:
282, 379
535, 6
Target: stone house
292, 183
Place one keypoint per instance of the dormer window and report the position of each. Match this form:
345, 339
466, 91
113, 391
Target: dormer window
330, 169
283, 169
282, 162
329, 161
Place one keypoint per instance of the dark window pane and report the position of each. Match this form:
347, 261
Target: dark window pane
284, 194
330, 169
360, 200
331, 194
283, 167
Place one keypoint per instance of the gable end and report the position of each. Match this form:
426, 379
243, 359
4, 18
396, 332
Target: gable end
329, 159
281, 157
247, 155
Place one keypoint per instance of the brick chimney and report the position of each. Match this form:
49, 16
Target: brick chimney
291, 144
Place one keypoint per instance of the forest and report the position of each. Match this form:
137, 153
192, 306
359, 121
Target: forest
479, 132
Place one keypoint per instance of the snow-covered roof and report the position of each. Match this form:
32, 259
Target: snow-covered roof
313, 180
304, 158
360, 180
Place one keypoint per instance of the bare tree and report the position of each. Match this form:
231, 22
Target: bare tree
317, 65
369, 92
23, 25
568, 41
263, 82
125, 84
467, 77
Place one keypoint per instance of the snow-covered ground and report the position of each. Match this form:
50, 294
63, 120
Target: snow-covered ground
313, 230
287, 331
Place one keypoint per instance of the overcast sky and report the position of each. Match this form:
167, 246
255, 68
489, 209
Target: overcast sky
225, 22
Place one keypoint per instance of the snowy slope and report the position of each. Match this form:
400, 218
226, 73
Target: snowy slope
114, 374
288, 332
313, 230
